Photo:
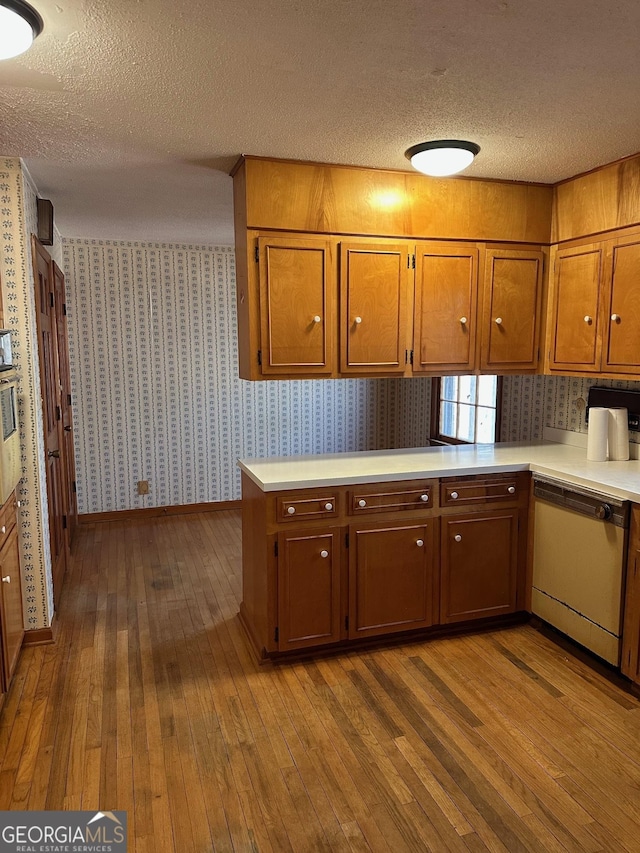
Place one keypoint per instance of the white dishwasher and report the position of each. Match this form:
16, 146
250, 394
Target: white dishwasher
579, 551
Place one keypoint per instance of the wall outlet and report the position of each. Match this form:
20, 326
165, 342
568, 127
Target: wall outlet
143, 487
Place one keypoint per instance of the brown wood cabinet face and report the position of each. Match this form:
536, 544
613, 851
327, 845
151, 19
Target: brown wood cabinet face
297, 304
309, 576
446, 286
575, 341
630, 659
622, 322
479, 561
323, 505
511, 311
12, 619
395, 497
483, 490
390, 578
374, 284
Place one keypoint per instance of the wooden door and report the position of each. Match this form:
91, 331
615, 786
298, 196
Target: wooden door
479, 565
622, 322
51, 412
630, 659
390, 577
374, 287
297, 305
309, 575
575, 342
511, 310
12, 619
68, 456
446, 291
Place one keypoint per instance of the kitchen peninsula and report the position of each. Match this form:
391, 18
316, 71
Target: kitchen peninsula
339, 547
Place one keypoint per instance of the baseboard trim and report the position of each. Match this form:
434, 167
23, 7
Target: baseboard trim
41, 636
156, 511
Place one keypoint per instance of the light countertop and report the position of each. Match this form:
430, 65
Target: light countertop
561, 461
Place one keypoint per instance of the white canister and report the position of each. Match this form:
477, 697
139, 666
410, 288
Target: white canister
618, 434
598, 434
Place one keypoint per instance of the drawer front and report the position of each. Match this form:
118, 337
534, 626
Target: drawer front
7, 518
293, 508
390, 499
482, 491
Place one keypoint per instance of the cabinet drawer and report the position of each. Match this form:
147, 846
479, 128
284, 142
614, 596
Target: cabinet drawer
290, 508
7, 518
392, 497
485, 490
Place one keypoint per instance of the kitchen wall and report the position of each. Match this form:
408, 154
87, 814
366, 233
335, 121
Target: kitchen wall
531, 403
19, 220
153, 352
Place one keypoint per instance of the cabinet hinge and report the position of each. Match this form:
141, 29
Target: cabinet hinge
411, 357
346, 623
346, 540
276, 635
260, 357
256, 253
64, 308
413, 262
51, 302
64, 522
275, 549
68, 399
58, 413
74, 487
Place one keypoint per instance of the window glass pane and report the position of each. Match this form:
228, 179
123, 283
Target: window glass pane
486, 425
467, 389
487, 388
449, 388
466, 422
448, 419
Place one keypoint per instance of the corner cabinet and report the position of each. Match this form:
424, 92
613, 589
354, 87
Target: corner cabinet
330, 566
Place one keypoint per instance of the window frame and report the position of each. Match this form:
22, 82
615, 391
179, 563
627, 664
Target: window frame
436, 436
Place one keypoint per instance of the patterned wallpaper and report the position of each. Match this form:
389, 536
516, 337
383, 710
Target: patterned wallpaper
531, 403
153, 352
18, 210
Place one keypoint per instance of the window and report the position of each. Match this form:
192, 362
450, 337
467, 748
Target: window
466, 409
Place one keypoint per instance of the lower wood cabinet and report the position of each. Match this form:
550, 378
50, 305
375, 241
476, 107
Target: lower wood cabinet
391, 570
331, 566
479, 565
630, 659
11, 619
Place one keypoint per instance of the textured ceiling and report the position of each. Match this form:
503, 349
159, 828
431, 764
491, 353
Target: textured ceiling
130, 114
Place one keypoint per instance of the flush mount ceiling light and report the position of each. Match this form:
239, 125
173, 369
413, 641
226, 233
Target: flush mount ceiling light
442, 156
19, 25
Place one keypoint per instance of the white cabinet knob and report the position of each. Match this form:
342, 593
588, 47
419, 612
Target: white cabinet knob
615, 317
19, 504
498, 321
458, 537
291, 510
357, 320
419, 542
317, 318
454, 496
324, 554
3, 529
328, 507
588, 319
512, 490
6, 579
362, 503
424, 498
463, 320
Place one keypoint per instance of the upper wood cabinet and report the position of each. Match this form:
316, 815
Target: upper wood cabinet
511, 311
446, 290
621, 322
374, 286
574, 335
297, 305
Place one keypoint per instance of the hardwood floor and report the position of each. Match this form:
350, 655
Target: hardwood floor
151, 702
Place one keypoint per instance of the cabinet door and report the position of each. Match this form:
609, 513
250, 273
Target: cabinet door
374, 285
308, 588
622, 322
630, 660
12, 620
390, 578
297, 305
511, 310
479, 562
575, 342
446, 289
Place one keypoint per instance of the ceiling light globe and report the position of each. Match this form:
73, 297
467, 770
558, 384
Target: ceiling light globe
17, 32
442, 157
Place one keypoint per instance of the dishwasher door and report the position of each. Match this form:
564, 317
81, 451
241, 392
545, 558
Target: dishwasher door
578, 562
